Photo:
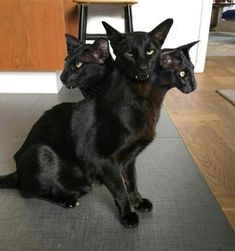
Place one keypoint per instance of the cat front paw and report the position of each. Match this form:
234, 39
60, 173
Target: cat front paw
144, 206
71, 203
130, 221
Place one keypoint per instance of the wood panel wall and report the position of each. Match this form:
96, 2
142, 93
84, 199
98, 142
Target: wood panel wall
71, 17
32, 34
206, 122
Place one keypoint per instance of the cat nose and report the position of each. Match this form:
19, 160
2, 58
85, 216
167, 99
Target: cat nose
143, 67
62, 77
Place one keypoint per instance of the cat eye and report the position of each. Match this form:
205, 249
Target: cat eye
182, 74
149, 53
129, 54
78, 65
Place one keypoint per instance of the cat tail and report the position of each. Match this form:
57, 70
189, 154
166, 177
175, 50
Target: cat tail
9, 181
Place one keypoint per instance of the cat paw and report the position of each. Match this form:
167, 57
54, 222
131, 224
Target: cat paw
130, 221
144, 206
71, 203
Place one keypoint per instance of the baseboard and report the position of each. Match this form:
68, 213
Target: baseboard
30, 82
33, 82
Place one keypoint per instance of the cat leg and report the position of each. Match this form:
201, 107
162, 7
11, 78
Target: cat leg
38, 171
51, 164
113, 180
28, 169
129, 175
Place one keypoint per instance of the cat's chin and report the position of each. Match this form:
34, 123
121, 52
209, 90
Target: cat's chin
142, 78
187, 89
70, 87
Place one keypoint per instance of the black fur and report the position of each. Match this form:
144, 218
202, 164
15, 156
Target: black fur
9, 181
86, 65
132, 50
75, 144
171, 64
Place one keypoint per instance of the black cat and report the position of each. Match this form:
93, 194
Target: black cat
175, 69
74, 144
86, 65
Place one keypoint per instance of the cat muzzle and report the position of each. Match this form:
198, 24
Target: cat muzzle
142, 77
187, 89
70, 86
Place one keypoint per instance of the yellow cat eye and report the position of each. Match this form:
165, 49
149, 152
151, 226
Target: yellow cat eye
78, 65
129, 54
182, 74
150, 52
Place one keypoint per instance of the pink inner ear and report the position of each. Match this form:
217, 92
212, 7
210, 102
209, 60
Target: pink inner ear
166, 61
169, 61
101, 61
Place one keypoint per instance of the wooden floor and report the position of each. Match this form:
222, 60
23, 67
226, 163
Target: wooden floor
206, 122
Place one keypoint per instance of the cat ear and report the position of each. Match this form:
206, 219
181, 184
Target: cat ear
72, 43
168, 60
160, 32
187, 47
101, 50
113, 35
97, 52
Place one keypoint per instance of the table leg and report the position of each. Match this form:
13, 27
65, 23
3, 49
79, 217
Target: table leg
82, 22
128, 19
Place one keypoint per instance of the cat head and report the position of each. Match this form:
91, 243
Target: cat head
85, 63
136, 52
177, 69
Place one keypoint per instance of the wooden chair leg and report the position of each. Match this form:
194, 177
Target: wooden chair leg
82, 18
128, 19
82, 23
85, 23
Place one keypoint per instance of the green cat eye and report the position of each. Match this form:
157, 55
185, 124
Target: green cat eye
150, 52
129, 54
78, 65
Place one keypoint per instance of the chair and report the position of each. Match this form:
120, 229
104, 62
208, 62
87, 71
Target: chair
83, 5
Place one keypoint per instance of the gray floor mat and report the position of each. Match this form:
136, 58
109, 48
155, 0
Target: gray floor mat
185, 215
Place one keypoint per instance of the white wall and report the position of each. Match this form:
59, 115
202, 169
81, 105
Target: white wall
191, 22
30, 82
